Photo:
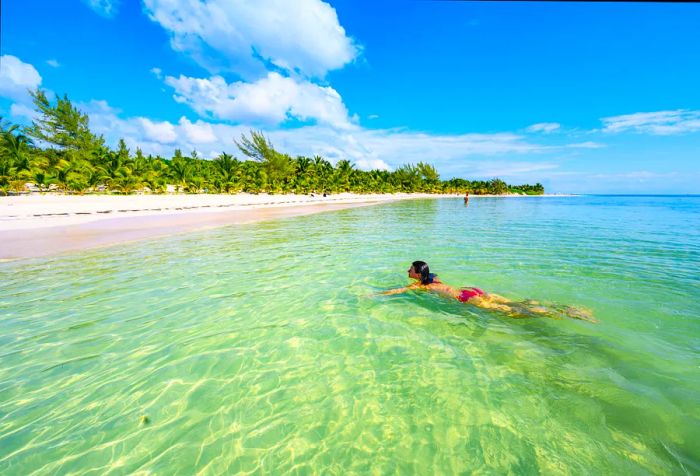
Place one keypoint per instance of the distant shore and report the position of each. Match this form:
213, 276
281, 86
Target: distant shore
47, 224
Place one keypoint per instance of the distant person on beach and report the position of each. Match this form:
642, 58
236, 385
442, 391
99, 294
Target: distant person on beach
466, 198
425, 280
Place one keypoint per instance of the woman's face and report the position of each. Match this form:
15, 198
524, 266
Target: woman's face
412, 273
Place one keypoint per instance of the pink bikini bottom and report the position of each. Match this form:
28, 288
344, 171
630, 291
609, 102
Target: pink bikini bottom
469, 293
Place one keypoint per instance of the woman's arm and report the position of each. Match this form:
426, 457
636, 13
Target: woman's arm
400, 290
394, 291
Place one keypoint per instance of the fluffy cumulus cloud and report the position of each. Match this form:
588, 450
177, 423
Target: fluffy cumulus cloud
161, 132
271, 100
198, 132
545, 127
105, 8
245, 37
16, 78
657, 123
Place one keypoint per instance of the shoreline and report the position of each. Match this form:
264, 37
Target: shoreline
48, 210
46, 225
43, 211
34, 226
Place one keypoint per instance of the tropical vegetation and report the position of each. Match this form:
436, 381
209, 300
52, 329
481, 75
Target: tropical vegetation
59, 152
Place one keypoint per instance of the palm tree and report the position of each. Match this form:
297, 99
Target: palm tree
181, 172
343, 171
154, 182
7, 172
254, 179
406, 177
42, 180
195, 184
497, 186
226, 167
128, 183
17, 146
95, 177
323, 169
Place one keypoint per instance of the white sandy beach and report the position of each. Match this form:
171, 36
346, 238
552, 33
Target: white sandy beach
42, 225
48, 210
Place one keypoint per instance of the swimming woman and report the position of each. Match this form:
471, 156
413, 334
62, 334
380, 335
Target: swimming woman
425, 280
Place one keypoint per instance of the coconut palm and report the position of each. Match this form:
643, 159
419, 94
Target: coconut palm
322, 170
17, 147
343, 173
95, 176
226, 167
42, 180
180, 171
195, 184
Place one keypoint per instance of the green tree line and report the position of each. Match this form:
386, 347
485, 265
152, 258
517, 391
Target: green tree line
58, 152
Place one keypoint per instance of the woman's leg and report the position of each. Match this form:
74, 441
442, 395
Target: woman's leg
530, 308
485, 303
498, 299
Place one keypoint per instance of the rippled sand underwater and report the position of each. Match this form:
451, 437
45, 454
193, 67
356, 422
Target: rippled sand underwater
264, 348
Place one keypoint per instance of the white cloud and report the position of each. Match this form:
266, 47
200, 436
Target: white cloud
585, 145
157, 72
372, 164
657, 123
243, 36
373, 116
162, 132
19, 110
105, 8
407, 146
509, 169
199, 132
53, 63
16, 77
105, 120
545, 127
271, 100
385, 148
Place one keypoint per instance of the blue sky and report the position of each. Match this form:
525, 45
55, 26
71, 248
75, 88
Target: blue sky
599, 98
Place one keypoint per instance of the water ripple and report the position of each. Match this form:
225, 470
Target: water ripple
264, 348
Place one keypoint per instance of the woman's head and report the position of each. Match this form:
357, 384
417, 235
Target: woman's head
420, 270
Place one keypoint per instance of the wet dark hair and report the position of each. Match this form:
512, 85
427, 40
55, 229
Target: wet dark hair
421, 267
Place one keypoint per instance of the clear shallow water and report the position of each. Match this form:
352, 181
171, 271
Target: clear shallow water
262, 348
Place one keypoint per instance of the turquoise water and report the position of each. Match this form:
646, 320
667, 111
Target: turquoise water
264, 349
